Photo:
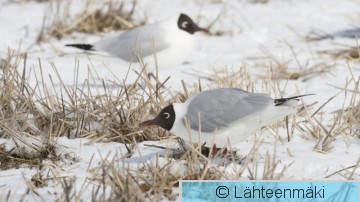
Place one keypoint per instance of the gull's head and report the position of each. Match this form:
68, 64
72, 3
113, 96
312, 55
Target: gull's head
165, 119
185, 23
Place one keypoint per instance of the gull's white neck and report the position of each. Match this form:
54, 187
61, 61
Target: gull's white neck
180, 112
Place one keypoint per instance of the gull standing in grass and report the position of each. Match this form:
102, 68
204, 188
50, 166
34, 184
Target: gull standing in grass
171, 40
221, 115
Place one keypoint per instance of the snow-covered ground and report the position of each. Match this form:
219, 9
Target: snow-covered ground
255, 36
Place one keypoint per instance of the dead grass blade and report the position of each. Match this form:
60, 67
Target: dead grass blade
94, 19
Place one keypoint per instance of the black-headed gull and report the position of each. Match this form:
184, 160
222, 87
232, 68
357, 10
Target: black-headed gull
172, 40
216, 116
346, 33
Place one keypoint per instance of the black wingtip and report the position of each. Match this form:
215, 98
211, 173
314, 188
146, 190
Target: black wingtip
281, 101
88, 47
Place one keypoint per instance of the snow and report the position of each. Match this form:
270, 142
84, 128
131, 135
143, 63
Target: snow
248, 29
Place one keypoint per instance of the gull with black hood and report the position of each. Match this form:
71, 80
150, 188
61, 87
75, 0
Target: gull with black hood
171, 40
221, 115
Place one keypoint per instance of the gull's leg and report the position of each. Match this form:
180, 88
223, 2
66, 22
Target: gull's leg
223, 157
214, 151
224, 153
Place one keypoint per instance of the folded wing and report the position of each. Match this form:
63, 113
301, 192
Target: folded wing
217, 109
142, 41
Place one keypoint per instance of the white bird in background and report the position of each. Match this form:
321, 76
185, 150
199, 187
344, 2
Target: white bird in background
226, 114
172, 40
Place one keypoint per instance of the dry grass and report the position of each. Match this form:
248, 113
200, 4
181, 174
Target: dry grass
350, 116
293, 69
344, 123
32, 118
347, 119
27, 142
26, 1
93, 19
311, 126
157, 180
111, 16
258, 1
344, 51
354, 119
349, 53
317, 35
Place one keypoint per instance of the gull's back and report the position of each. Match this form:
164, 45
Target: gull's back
219, 108
142, 40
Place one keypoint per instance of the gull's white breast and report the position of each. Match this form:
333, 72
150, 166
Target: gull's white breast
181, 45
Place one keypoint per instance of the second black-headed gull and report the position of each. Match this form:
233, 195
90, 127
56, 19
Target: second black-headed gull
172, 40
221, 115
346, 33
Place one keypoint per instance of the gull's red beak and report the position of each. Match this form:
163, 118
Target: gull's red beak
151, 122
203, 30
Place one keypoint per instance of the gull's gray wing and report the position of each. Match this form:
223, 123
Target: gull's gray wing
348, 33
220, 107
144, 40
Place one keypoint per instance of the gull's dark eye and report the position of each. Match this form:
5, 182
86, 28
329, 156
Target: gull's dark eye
166, 115
185, 24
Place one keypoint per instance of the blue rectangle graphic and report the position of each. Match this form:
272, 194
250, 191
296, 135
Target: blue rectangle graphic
268, 190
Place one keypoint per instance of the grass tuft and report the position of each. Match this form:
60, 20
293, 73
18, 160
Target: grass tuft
92, 19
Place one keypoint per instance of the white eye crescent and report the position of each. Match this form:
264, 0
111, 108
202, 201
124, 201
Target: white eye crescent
184, 24
167, 115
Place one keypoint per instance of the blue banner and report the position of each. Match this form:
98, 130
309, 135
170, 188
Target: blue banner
269, 191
